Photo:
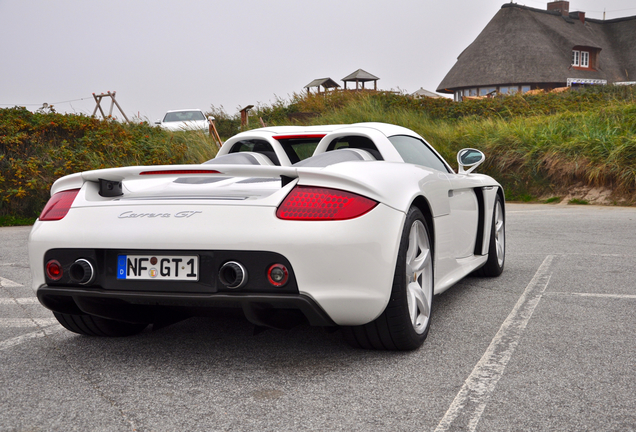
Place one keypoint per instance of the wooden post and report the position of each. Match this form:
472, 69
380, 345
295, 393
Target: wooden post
113, 102
213, 132
245, 121
98, 100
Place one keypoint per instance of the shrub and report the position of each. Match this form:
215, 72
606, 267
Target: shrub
38, 148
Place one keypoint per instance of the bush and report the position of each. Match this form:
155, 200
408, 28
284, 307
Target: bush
38, 148
535, 145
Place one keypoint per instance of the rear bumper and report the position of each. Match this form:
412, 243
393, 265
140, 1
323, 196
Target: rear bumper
144, 306
344, 267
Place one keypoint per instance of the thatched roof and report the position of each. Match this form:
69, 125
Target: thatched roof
523, 45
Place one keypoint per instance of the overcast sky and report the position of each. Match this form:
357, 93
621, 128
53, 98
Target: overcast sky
160, 55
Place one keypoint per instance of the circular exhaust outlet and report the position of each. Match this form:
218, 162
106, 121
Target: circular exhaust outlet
82, 272
233, 275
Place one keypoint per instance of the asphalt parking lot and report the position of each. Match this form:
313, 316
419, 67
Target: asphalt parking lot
549, 345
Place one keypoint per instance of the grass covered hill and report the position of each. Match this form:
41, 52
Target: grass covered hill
537, 146
38, 148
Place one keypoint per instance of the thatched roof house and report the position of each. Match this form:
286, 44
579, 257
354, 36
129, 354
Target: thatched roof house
524, 48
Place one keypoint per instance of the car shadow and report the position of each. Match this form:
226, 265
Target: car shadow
229, 343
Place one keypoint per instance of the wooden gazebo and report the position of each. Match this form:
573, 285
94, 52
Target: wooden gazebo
361, 76
325, 83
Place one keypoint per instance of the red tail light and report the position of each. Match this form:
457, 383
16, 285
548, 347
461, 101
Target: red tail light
277, 275
179, 172
59, 205
316, 203
54, 270
298, 136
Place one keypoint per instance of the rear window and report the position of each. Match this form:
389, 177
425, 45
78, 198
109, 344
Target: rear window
256, 146
355, 142
298, 149
416, 151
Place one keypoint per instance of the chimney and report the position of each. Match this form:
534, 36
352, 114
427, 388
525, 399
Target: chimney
581, 16
578, 15
560, 6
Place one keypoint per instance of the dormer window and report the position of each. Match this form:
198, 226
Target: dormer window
581, 58
585, 57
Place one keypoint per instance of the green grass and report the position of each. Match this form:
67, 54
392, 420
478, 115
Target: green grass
36, 149
578, 201
15, 221
535, 146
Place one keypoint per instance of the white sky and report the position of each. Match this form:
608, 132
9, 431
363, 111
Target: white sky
160, 55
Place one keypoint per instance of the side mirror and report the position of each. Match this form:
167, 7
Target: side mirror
469, 159
158, 122
210, 119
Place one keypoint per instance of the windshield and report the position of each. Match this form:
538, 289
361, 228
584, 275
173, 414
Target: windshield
179, 116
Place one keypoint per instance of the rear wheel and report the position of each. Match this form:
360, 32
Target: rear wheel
497, 247
405, 322
90, 325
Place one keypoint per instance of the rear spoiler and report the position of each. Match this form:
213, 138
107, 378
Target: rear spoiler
110, 179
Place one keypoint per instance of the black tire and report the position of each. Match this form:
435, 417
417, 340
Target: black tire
497, 246
405, 322
89, 325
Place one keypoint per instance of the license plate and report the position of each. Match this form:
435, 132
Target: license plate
158, 267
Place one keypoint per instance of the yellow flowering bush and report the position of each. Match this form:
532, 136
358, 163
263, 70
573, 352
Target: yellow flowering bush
38, 148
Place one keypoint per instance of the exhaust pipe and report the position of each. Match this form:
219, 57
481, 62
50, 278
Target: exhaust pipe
82, 272
233, 275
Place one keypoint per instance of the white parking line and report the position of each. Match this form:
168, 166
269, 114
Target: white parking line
529, 211
26, 322
587, 254
45, 331
9, 283
615, 296
19, 300
469, 404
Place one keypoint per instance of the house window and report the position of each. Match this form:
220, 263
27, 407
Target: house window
485, 91
585, 59
581, 58
525, 89
509, 90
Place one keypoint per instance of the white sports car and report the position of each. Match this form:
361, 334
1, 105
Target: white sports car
360, 235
